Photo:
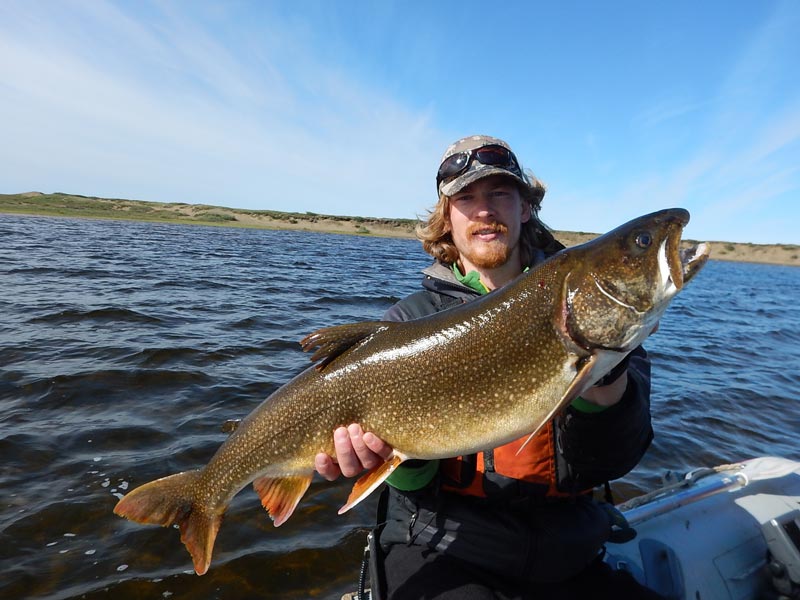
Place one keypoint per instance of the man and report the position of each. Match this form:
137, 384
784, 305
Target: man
505, 523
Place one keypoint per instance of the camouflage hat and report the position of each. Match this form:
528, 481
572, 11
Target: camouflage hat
475, 169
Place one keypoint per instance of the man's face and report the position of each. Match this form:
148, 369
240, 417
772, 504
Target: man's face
485, 221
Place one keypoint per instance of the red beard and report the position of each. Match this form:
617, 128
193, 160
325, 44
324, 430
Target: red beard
488, 255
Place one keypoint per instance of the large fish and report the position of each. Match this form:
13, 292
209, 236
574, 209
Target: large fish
473, 377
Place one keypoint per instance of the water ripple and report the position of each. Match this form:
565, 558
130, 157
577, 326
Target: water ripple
101, 315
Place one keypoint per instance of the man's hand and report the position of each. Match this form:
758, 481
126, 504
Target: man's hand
355, 451
609, 395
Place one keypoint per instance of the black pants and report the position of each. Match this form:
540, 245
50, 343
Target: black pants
418, 573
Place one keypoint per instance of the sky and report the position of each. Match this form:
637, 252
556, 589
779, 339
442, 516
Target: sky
344, 107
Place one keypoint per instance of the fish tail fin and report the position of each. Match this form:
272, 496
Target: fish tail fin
367, 483
171, 501
281, 495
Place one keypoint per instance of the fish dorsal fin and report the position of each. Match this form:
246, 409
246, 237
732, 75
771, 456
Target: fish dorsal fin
281, 495
371, 480
583, 380
335, 341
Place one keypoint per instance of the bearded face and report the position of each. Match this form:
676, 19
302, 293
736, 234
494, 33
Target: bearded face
485, 222
487, 246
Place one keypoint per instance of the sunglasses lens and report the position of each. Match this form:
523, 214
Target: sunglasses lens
453, 165
494, 156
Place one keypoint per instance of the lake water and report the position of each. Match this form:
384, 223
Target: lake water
125, 346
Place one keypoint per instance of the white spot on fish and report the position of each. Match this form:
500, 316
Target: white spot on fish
52, 544
90, 552
70, 535
123, 567
97, 459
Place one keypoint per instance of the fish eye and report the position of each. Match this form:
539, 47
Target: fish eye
644, 240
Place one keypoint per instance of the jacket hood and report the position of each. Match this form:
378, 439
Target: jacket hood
440, 278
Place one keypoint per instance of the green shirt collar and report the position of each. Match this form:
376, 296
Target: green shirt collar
472, 280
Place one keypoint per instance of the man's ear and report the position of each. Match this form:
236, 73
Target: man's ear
526, 210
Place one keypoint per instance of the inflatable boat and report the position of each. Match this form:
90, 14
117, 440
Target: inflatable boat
731, 532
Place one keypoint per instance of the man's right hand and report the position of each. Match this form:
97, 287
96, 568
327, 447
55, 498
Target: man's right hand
355, 451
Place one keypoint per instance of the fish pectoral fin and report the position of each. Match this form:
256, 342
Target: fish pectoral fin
530, 437
334, 341
280, 496
371, 480
583, 380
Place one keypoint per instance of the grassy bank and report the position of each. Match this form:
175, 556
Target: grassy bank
72, 205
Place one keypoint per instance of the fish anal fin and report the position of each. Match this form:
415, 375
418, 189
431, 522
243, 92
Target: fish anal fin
280, 496
170, 501
583, 379
332, 342
367, 483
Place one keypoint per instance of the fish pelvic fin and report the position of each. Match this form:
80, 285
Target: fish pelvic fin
367, 483
170, 501
280, 496
332, 342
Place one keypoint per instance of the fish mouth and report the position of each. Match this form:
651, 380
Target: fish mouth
693, 259
679, 265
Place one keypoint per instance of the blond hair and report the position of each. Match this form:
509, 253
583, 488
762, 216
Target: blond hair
434, 233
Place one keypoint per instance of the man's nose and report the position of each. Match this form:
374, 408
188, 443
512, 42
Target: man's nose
484, 206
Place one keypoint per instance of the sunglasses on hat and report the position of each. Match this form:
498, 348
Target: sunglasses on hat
492, 155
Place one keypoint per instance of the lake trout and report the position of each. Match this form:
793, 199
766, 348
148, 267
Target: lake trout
473, 377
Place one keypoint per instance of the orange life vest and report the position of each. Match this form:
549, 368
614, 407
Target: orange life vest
535, 465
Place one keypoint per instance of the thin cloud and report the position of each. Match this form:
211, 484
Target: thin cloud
196, 121
743, 143
669, 109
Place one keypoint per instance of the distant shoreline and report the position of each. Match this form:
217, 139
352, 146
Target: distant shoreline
77, 206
